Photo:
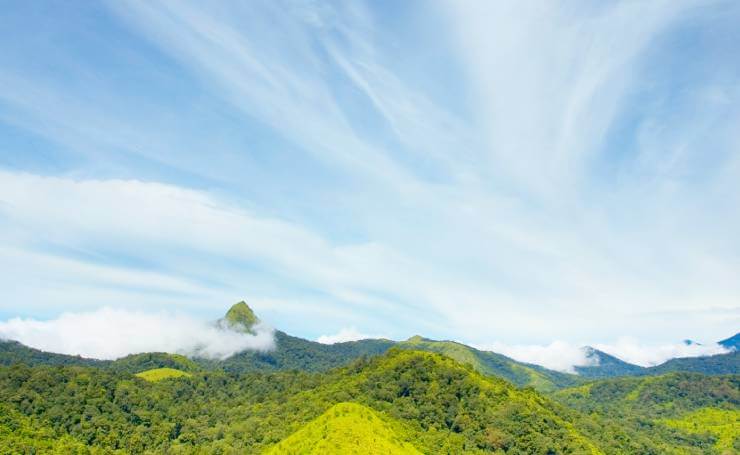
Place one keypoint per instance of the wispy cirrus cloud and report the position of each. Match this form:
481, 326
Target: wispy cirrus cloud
498, 167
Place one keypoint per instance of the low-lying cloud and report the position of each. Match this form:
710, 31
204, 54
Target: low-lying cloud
564, 356
630, 350
110, 333
558, 355
345, 334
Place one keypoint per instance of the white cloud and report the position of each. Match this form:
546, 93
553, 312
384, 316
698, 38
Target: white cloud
494, 208
564, 356
632, 351
345, 334
558, 355
109, 333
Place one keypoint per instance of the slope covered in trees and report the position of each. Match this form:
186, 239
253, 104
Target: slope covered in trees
672, 406
493, 364
429, 401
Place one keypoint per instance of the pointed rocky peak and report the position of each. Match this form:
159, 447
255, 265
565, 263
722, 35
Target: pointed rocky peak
240, 317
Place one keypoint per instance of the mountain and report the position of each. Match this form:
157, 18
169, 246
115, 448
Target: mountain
294, 353
606, 366
714, 364
347, 428
610, 366
731, 343
240, 317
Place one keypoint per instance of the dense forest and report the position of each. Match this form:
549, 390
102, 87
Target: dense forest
417, 396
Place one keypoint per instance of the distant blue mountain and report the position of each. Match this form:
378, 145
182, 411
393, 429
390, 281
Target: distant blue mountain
732, 343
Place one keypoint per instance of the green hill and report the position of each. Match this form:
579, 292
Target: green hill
491, 363
673, 408
667, 395
152, 360
347, 428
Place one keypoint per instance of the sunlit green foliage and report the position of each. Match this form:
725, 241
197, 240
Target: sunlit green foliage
20, 434
158, 374
240, 317
722, 424
147, 361
648, 405
348, 428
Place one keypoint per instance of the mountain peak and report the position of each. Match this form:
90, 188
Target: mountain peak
240, 316
417, 339
731, 343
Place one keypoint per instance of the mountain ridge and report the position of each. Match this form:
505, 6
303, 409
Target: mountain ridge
300, 354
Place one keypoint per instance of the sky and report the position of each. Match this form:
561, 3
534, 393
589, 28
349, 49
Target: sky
500, 173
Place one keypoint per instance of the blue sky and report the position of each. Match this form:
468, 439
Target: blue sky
483, 171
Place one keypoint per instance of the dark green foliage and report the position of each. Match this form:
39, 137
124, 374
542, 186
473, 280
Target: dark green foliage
292, 353
716, 364
610, 366
12, 352
135, 363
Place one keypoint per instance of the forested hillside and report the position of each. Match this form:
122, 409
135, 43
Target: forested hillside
423, 401
704, 406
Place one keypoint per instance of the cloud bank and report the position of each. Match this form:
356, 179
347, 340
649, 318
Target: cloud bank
558, 355
564, 356
345, 334
109, 333
630, 350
